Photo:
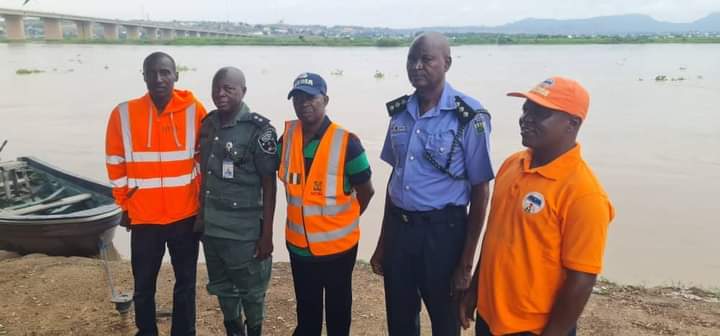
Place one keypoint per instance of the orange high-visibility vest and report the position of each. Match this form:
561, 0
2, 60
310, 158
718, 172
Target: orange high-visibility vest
151, 158
320, 216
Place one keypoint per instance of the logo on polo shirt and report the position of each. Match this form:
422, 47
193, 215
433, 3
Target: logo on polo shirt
533, 203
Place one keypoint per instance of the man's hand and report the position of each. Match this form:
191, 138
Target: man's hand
466, 307
264, 247
377, 260
125, 220
461, 278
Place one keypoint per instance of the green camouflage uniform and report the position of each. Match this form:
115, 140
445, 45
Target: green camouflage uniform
231, 209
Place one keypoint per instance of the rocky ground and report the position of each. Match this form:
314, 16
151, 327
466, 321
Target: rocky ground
41, 295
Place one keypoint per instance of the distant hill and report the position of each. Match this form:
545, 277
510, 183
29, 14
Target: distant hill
602, 25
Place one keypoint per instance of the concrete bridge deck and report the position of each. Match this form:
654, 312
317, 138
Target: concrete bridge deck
53, 27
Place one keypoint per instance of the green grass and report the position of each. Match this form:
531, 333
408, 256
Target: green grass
28, 71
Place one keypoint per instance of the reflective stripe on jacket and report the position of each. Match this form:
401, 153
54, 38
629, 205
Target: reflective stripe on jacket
320, 216
151, 158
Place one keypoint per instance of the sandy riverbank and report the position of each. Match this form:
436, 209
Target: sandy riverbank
43, 295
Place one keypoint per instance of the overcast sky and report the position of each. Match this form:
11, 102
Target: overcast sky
376, 13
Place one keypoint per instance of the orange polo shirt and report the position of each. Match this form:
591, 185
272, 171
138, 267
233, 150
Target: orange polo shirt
542, 220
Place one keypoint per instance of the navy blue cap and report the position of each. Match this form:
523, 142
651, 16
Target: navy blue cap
310, 83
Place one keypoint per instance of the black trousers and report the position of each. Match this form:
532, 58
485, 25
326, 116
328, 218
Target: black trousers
147, 250
422, 250
333, 278
482, 329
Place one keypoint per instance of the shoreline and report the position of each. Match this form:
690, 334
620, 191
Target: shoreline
312, 41
69, 295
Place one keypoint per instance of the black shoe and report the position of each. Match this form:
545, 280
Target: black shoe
235, 328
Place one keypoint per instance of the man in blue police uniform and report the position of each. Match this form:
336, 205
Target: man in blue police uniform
437, 143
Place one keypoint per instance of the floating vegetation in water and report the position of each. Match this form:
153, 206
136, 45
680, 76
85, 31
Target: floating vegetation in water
337, 72
678, 79
183, 68
379, 74
683, 68
106, 67
28, 71
700, 77
661, 78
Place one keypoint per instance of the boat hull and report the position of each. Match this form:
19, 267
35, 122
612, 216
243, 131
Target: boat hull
74, 234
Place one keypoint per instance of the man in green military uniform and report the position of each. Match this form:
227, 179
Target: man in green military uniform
238, 161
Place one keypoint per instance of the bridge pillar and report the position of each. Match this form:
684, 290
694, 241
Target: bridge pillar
151, 33
133, 32
110, 31
84, 29
53, 29
167, 34
14, 27
192, 34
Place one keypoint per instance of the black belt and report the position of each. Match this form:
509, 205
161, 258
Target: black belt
423, 216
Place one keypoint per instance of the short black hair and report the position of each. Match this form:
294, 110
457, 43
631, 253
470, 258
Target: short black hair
156, 55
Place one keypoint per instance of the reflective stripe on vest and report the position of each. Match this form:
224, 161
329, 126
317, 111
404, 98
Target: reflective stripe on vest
133, 156
316, 210
286, 156
320, 237
333, 166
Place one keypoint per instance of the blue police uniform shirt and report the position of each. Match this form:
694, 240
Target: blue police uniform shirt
417, 185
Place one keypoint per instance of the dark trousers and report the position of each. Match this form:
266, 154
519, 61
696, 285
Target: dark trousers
147, 250
422, 250
334, 278
482, 329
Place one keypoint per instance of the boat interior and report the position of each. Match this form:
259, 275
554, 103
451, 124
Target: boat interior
25, 190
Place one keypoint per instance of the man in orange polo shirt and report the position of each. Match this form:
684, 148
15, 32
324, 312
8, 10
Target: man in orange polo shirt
547, 227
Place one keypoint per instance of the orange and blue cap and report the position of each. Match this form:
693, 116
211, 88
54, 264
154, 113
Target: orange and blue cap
559, 93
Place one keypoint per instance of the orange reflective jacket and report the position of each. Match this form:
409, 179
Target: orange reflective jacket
320, 216
151, 158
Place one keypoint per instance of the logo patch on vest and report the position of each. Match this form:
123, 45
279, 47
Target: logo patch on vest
317, 188
533, 203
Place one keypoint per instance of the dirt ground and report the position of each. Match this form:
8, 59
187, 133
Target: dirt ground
41, 295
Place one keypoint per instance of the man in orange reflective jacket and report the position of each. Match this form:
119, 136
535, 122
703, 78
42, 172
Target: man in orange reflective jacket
151, 146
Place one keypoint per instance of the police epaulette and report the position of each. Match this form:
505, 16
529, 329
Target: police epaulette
398, 105
464, 110
259, 120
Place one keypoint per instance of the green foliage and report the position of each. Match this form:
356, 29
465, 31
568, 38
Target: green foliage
28, 71
386, 42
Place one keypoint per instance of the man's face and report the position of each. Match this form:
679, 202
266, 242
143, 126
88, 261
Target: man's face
308, 108
160, 76
227, 94
426, 65
541, 127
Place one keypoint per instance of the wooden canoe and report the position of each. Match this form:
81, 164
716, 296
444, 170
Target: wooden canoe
44, 209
